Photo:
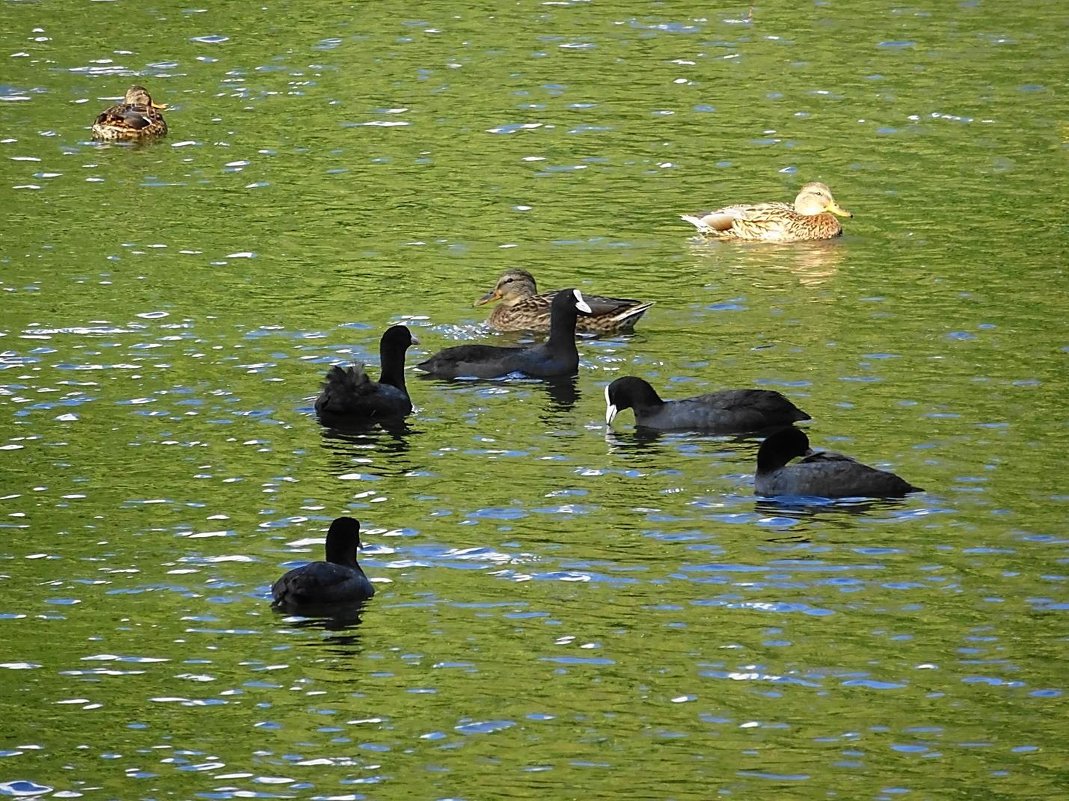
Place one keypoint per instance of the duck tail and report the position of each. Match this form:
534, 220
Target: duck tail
628, 317
697, 222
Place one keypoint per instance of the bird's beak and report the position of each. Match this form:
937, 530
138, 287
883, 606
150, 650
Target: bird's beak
835, 208
159, 106
581, 304
809, 452
610, 409
489, 296
414, 340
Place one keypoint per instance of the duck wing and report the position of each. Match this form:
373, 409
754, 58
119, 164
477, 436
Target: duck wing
124, 116
723, 220
608, 315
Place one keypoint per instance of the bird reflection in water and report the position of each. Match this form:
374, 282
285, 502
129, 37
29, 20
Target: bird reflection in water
341, 425
798, 521
638, 440
563, 394
837, 512
333, 619
811, 263
385, 448
641, 439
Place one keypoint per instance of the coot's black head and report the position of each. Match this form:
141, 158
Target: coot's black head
343, 539
780, 447
569, 301
397, 338
628, 392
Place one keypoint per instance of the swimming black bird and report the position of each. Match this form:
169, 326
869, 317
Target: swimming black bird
320, 586
825, 474
555, 357
349, 394
725, 412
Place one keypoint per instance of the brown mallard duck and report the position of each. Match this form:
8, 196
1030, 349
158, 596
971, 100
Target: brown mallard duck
136, 117
523, 309
813, 216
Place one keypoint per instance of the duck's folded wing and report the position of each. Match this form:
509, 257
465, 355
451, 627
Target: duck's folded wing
758, 212
601, 306
723, 219
136, 117
110, 116
133, 117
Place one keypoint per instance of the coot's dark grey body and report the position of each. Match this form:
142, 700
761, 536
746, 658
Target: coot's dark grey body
557, 356
320, 586
349, 394
729, 411
825, 474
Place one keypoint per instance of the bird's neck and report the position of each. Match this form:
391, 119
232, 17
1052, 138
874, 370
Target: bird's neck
393, 370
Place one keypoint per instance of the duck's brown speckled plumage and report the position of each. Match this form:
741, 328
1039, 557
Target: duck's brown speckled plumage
813, 216
521, 308
136, 117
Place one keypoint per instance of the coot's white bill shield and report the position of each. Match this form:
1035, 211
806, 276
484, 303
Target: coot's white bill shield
581, 304
610, 410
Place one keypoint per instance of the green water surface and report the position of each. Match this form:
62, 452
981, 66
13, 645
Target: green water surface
563, 611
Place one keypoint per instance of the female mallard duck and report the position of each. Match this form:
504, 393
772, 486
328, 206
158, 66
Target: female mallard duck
557, 356
136, 117
811, 217
523, 309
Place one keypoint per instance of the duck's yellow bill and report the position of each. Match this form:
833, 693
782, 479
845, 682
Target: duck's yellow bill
835, 208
